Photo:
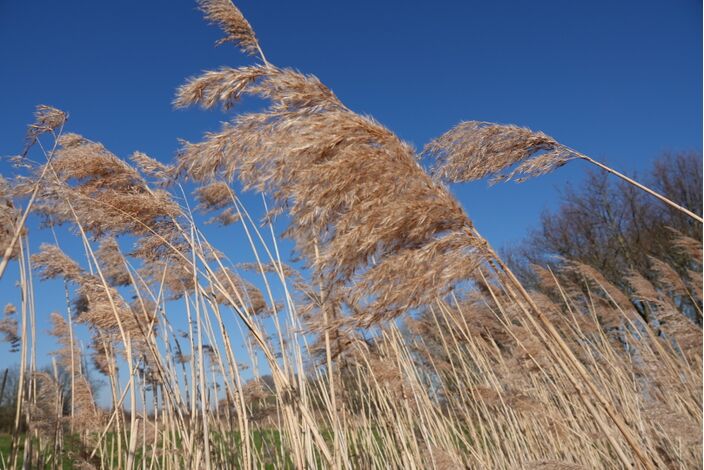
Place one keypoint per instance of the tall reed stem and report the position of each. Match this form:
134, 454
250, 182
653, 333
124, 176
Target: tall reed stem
640, 186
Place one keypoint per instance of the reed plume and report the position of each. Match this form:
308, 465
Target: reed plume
46, 411
106, 194
668, 277
386, 246
232, 22
8, 328
150, 167
473, 150
96, 304
688, 246
8, 219
69, 354
50, 262
113, 263
47, 119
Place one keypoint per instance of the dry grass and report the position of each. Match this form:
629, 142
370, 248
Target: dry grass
403, 342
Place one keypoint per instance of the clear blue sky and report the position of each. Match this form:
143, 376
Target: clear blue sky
618, 80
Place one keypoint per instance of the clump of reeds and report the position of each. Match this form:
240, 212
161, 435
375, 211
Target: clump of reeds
209, 364
385, 247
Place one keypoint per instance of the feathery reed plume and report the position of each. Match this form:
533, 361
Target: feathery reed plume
92, 165
225, 86
46, 409
87, 416
473, 150
232, 22
213, 196
8, 328
103, 353
594, 277
643, 289
96, 304
112, 263
150, 167
692, 249
51, 263
430, 272
676, 325
337, 174
8, 219
46, 119
681, 329
224, 218
277, 267
69, 354
688, 246
697, 282
668, 277
163, 260
104, 308
107, 195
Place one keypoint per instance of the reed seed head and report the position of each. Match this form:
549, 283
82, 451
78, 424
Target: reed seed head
237, 29
473, 150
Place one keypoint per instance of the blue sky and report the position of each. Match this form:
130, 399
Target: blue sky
618, 80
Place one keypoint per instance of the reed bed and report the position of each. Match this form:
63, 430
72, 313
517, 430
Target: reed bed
399, 339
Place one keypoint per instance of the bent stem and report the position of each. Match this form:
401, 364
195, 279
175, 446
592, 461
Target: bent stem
640, 186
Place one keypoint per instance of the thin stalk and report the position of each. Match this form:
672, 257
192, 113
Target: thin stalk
559, 341
640, 186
